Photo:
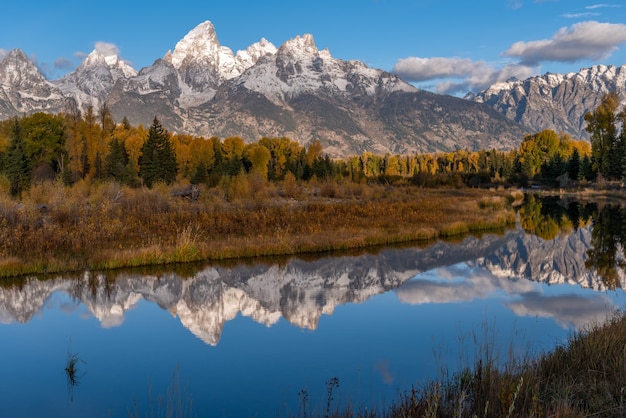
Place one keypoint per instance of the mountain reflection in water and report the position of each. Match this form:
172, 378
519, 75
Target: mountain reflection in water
563, 265
569, 252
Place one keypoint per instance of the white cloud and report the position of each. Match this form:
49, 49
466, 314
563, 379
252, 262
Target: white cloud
107, 49
462, 74
585, 40
421, 69
3, 53
601, 6
580, 15
80, 55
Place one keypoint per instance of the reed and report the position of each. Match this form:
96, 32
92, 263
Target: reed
57, 228
581, 378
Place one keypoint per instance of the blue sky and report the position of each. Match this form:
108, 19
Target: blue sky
447, 46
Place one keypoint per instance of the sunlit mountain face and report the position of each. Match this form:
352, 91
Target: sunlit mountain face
295, 90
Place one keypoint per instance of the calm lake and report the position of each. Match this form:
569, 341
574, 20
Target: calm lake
266, 339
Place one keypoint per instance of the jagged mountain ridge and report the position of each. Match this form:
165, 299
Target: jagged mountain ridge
302, 291
202, 88
555, 101
24, 89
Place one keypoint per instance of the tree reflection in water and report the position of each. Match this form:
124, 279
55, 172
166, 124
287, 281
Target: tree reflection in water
547, 217
607, 239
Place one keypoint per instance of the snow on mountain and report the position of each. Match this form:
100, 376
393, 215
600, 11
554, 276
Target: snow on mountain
23, 87
204, 63
18, 71
555, 101
94, 79
298, 67
245, 59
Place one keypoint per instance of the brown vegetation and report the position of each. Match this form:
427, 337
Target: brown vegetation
582, 378
58, 228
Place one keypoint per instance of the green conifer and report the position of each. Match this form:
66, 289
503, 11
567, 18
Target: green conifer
158, 160
17, 167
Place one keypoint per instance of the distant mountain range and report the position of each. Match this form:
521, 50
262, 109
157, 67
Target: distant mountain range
555, 101
203, 88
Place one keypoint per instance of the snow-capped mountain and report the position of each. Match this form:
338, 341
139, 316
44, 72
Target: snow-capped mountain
94, 78
202, 88
298, 68
306, 94
204, 63
24, 89
555, 101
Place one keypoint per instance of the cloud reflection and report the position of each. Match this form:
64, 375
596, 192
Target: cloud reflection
569, 311
458, 283
464, 283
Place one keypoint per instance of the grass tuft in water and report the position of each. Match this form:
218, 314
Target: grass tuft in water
73, 373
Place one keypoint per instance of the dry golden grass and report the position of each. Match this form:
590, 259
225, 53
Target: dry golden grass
584, 377
55, 227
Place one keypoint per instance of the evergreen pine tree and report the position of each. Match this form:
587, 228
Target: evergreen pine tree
126, 123
117, 162
587, 171
16, 168
573, 165
158, 160
169, 165
200, 174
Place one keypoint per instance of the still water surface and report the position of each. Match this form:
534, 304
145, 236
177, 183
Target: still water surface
249, 340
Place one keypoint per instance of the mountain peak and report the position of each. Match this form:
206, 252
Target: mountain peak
107, 57
204, 63
14, 54
555, 101
251, 55
18, 71
200, 42
304, 43
24, 88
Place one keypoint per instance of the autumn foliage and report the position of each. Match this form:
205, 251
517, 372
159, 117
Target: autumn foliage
57, 227
79, 190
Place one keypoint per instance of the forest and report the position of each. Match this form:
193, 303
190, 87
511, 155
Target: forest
91, 147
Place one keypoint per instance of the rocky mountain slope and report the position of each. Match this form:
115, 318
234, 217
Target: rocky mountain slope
555, 101
23, 89
203, 88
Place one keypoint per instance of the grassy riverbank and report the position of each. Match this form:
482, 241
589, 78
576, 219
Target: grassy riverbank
582, 378
55, 228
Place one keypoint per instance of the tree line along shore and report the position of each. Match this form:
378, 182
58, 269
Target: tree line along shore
74, 147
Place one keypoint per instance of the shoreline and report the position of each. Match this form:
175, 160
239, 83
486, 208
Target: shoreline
108, 229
